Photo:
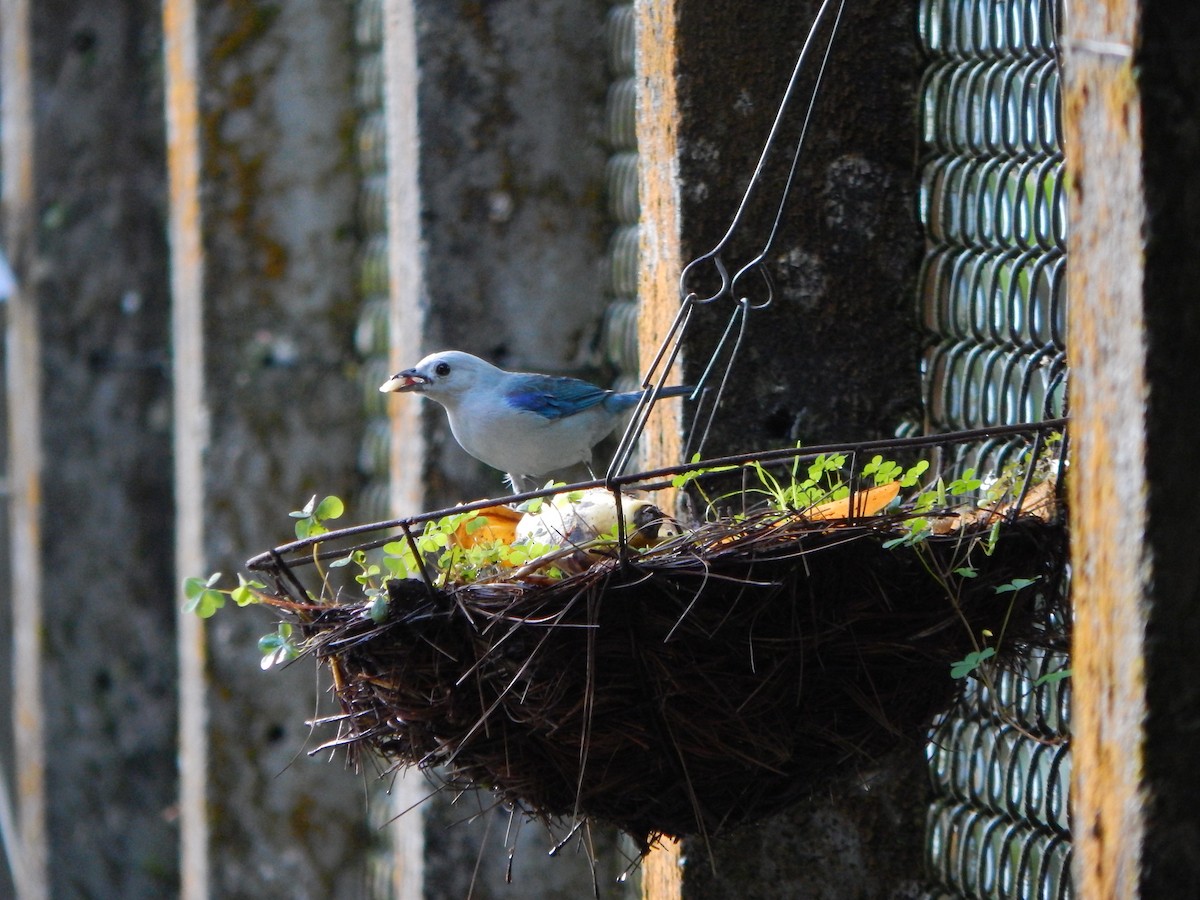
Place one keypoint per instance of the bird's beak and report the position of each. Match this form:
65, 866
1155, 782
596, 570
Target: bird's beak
408, 380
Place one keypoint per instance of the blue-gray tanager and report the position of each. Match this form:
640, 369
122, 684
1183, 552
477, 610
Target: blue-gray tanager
522, 424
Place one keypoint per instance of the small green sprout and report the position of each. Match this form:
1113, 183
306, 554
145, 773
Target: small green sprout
965, 484
1054, 677
377, 609
968, 664
685, 478
1017, 584
918, 530
913, 474
277, 647
310, 521
204, 598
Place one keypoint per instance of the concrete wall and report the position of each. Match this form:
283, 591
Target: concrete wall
834, 357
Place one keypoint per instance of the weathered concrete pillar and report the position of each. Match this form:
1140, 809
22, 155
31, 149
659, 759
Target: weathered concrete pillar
259, 98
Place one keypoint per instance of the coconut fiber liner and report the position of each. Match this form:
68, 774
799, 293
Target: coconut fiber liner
689, 688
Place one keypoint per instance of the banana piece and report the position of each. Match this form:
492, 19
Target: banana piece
585, 517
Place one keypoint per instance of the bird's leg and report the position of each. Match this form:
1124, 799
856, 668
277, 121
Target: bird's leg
520, 483
588, 464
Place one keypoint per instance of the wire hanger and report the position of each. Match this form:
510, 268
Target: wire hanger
735, 287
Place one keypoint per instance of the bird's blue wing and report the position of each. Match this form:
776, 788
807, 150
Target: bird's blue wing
553, 397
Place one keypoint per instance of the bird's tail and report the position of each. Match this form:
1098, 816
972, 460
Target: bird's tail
627, 399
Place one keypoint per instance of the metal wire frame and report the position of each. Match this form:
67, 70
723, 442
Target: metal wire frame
993, 205
982, 447
980, 29
729, 285
996, 858
998, 202
992, 201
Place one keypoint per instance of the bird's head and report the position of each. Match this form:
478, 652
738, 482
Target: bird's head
442, 376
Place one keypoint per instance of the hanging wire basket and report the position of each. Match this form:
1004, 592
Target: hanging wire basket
805, 611
685, 678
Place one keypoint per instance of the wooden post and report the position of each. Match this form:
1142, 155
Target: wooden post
1130, 124
1108, 390
406, 267
406, 332
660, 263
191, 429
660, 253
23, 375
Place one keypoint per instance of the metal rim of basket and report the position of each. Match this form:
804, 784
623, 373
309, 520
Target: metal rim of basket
1004, 440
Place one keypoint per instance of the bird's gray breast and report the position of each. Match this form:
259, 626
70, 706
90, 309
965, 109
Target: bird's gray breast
523, 442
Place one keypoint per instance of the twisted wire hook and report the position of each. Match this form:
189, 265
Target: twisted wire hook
757, 261
671, 344
714, 255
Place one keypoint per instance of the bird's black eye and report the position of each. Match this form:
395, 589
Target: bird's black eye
442, 369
